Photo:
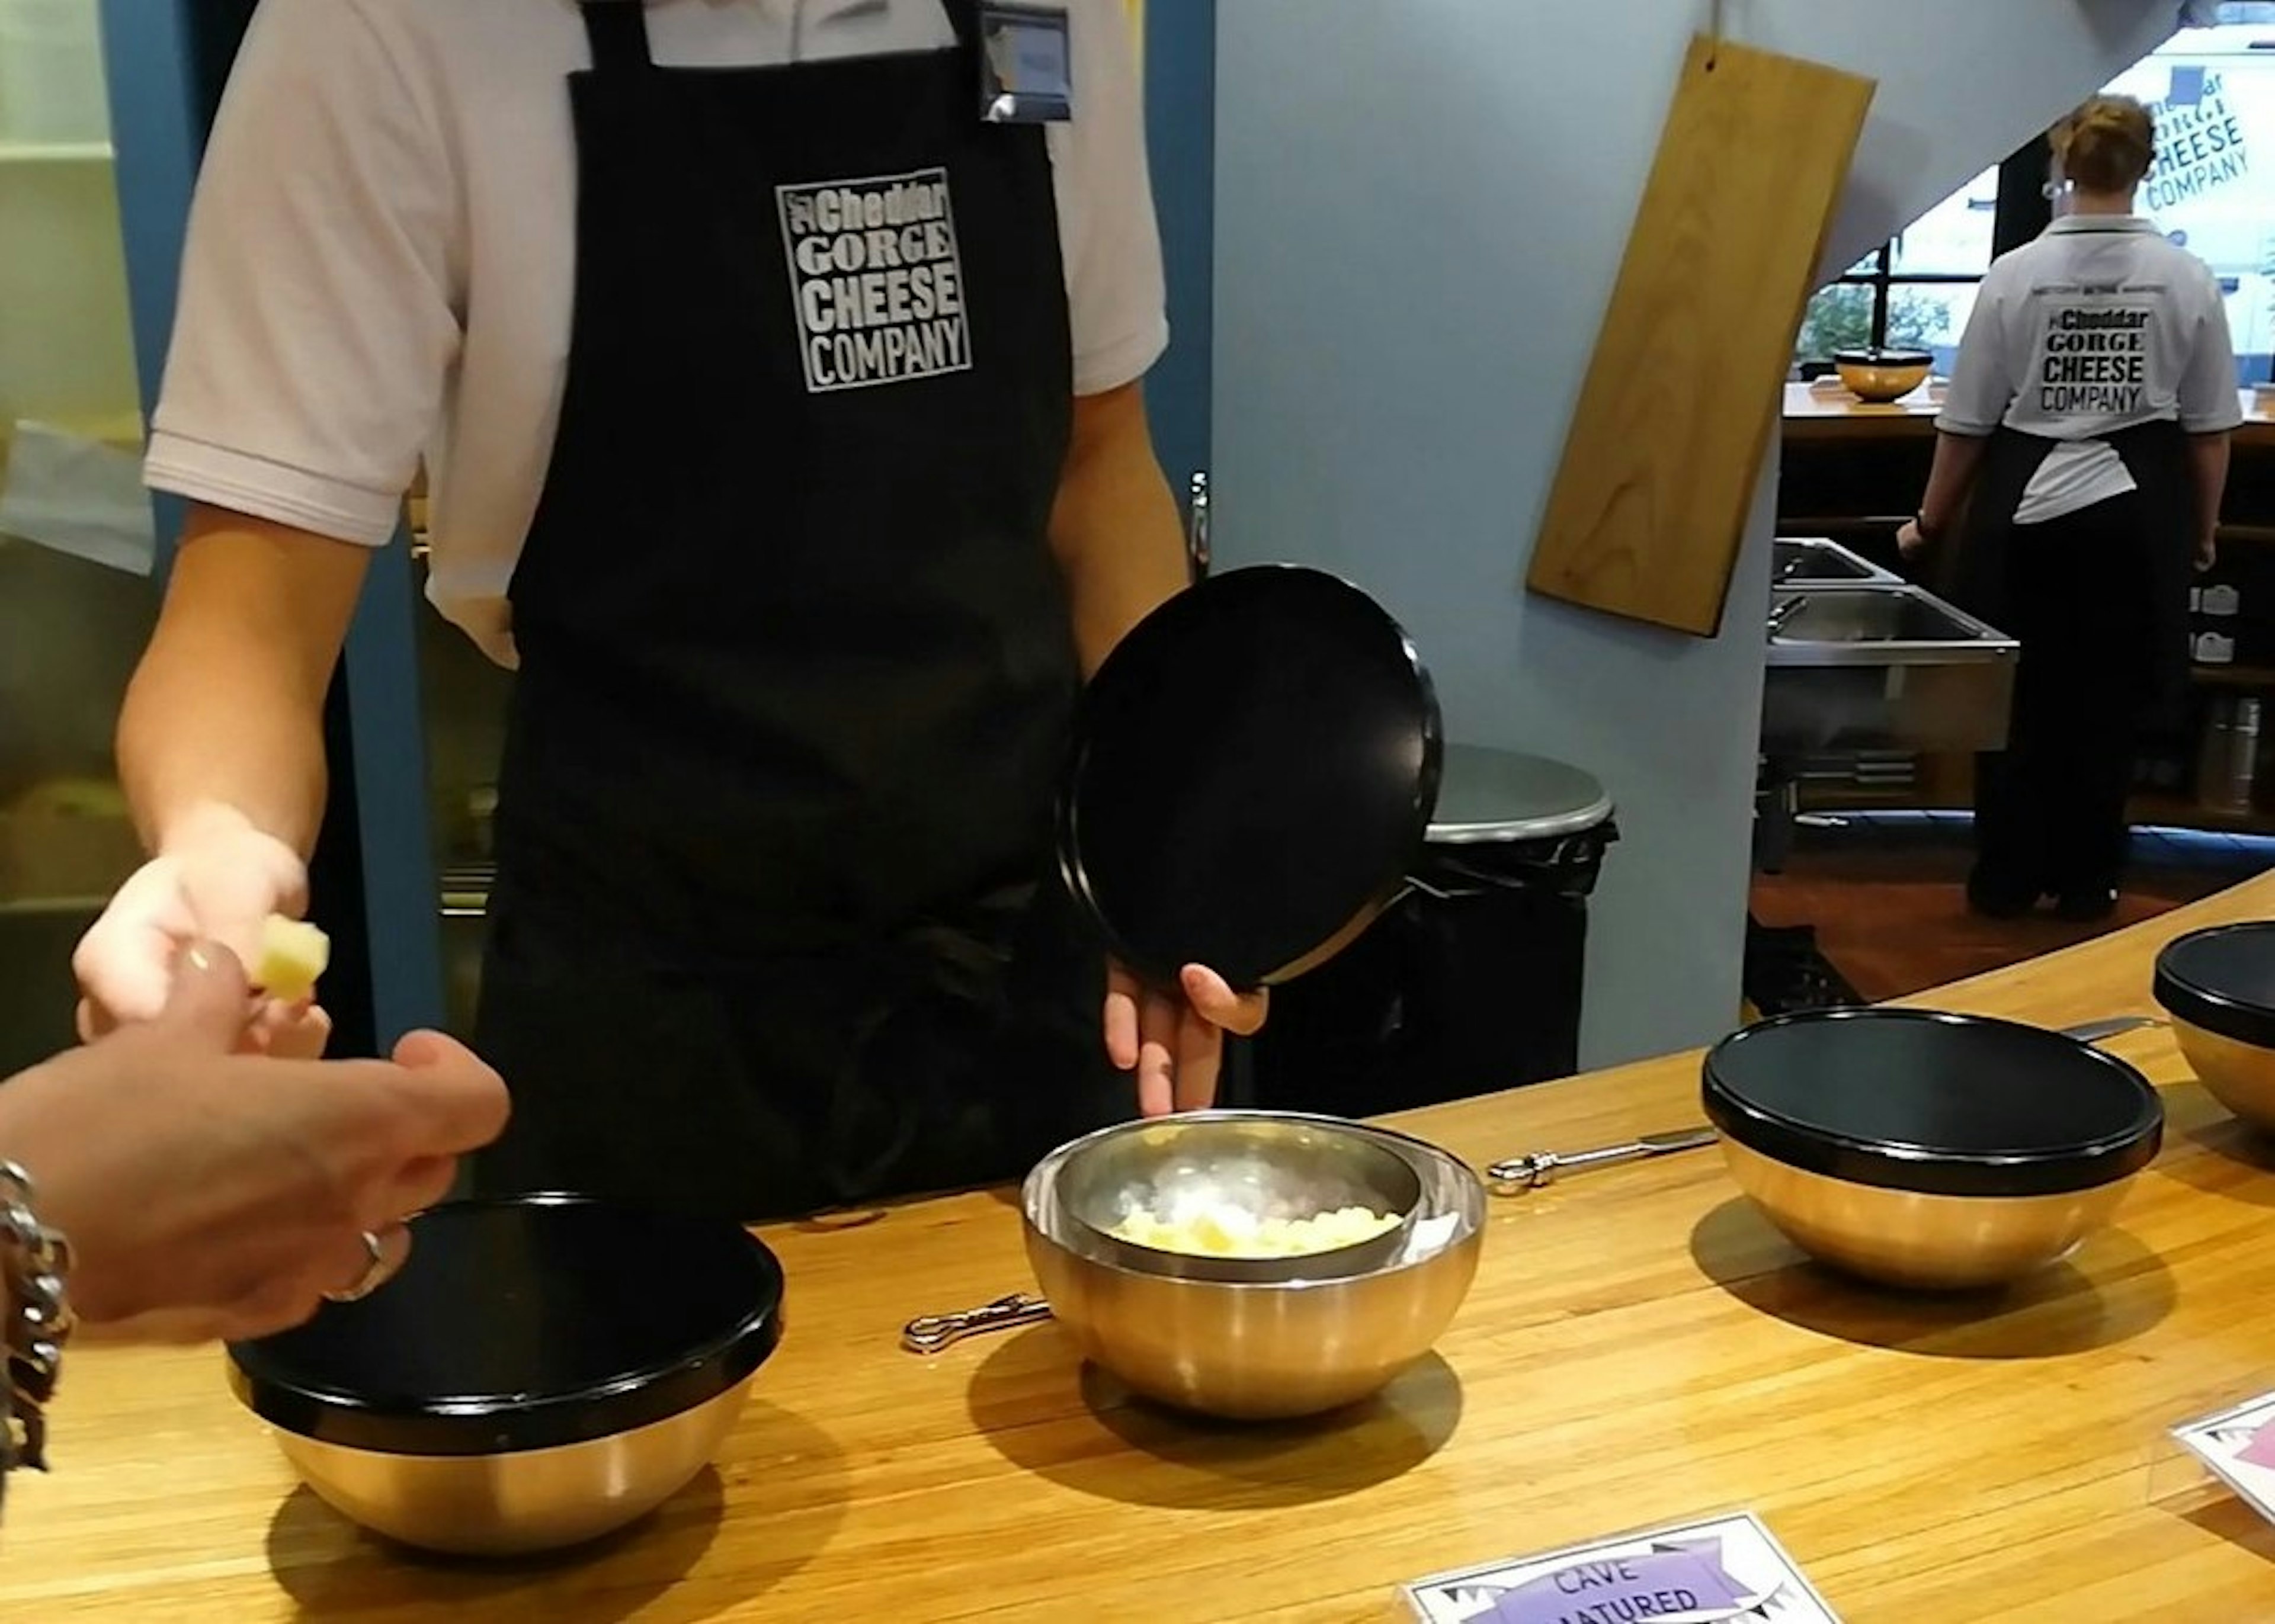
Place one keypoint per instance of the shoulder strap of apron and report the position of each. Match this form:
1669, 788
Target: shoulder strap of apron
965, 14
617, 30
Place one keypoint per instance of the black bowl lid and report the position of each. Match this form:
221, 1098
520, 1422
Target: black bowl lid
524, 1322
1254, 770
2223, 980
1941, 1105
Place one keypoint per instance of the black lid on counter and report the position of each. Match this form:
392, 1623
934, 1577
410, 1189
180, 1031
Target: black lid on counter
1938, 1104
2223, 980
524, 1322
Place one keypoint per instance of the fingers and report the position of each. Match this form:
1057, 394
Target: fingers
207, 1004
1122, 994
1198, 1058
125, 962
1216, 1001
291, 1031
1158, 1020
461, 1103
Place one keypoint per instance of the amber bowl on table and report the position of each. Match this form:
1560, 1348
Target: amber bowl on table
545, 1370
1880, 375
1315, 1340
2219, 987
1929, 1152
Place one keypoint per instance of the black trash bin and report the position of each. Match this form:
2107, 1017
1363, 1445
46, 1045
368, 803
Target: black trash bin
1472, 981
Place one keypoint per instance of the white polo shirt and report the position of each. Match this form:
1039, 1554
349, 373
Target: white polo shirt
380, 255
2098, 325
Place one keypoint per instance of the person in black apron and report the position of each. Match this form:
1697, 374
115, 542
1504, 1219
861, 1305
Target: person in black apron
2085, 434
775, 927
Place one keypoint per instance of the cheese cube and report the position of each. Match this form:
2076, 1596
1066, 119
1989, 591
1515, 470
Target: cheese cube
293, 953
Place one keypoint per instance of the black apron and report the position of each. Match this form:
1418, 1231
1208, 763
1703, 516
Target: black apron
1982, 581
2098, 600
774, 927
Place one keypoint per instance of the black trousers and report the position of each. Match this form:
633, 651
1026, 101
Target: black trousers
2050, 808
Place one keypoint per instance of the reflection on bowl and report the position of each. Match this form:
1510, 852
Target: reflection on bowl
1263, 1349
1926, 1150
1882, 374
545, 1370
1222, 1171
2218, 987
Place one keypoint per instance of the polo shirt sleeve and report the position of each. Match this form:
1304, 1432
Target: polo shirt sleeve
1983, 376
1116, 299
318, 315
2210, 401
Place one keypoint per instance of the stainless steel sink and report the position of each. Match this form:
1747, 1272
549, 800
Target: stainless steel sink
1795, 559
1863, 666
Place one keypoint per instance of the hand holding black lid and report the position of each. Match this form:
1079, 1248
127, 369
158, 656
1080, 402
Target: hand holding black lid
1255, 766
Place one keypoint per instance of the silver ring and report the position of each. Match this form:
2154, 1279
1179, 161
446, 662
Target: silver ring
376, 1273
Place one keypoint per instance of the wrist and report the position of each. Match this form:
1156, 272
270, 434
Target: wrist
201, 824
1929, 529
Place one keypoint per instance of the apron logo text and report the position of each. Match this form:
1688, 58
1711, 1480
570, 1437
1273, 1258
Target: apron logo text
878, 283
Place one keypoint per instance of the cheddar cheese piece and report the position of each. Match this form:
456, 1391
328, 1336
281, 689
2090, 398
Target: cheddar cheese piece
293, 953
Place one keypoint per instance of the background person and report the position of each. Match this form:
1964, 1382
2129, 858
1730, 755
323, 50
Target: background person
2085, 436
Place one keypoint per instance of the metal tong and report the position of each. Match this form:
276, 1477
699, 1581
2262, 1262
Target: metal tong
1539, 1168
930, 1333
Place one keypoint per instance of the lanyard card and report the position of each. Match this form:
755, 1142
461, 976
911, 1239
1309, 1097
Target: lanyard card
1026, 68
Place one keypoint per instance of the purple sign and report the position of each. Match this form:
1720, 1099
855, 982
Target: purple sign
2261, 1450
1623, 1590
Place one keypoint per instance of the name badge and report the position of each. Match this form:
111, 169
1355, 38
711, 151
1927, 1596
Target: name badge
1026, 70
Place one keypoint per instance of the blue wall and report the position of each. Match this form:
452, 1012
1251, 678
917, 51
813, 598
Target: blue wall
1420, 209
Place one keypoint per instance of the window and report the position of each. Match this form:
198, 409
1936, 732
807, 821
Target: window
1916, 290
2212, 189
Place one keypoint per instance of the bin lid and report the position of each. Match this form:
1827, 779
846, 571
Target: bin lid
1500, 794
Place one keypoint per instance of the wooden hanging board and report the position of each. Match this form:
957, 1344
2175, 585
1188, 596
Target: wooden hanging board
1651, 500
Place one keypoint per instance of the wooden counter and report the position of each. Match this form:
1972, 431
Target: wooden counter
1813, 414
1639, 1347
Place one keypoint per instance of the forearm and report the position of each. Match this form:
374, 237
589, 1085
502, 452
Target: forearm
2207, 466
1114, 528
1950, 477
227, 704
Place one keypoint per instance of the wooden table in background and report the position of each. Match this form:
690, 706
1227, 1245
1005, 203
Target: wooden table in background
1639, 1347
1813, 414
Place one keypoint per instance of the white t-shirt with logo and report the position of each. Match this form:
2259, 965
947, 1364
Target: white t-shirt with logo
381, 254
2097, 326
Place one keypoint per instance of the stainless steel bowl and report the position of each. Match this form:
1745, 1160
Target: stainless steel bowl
522, 1502
1919, 1241
1883, 375
1263, 1350
1263, 1165
1928, 1151
2218, 987
2240, 1076
545, 1370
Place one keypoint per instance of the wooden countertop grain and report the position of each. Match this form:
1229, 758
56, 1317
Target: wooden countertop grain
1639, 1347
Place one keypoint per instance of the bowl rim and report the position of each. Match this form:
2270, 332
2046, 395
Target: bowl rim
2187, 998
1893, 355
1406, 1144
1927, 1170
1240, 1268
497, 1423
